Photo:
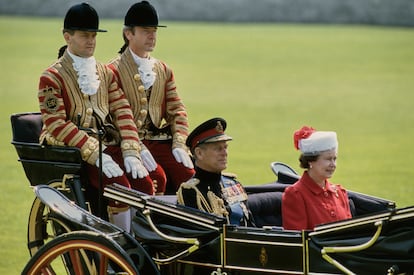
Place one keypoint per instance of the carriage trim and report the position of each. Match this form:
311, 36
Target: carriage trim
145, 202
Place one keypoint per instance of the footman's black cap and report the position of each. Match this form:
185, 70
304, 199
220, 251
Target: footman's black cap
82, 17
142, 14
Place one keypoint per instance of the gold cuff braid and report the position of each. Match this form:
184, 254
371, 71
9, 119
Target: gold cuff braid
51, 140
131, 148
90, 150
179, 141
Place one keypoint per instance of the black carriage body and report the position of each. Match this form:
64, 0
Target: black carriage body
365, 244
53, 165
276, 251
372, 244
79, 221
263, 250
181, 240
379, 243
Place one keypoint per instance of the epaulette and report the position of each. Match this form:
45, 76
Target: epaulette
229, 175
191, 183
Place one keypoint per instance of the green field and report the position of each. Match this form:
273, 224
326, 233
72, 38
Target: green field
266, 80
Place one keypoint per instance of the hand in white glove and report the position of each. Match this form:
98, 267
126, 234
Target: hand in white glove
109, 167
148, 160
181, 156
134, 166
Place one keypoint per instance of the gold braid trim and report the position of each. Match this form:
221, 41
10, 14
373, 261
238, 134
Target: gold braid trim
51, 140
217, 204
202, 203
213, 204
190, 184
127, 69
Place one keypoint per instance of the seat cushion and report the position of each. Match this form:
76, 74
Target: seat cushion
26, 127
266, 208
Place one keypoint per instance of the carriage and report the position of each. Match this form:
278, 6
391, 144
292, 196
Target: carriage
68, 234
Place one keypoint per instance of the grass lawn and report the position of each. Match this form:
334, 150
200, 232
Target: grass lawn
266, 80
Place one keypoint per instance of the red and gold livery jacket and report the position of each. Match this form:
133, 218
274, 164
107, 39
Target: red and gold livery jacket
62, 103
161, 102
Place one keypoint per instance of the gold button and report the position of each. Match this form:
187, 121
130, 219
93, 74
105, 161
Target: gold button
141, 88
87, 152
92, 146
137, 77
143, 100
135, 145
89, 111
139, 123
126, 146
143, 112
180, 139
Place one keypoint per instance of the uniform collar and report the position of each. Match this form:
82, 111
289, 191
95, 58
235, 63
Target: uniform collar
204, 175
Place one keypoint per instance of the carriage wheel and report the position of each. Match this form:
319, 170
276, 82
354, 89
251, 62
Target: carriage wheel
81, 252
41, 226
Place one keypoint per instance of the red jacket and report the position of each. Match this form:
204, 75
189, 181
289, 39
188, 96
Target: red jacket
61, 100
305, 204
163, 106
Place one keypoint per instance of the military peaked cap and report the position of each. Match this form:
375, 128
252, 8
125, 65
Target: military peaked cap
210, 131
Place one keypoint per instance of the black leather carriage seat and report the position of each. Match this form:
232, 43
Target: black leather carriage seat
42, 164
26, 127
266, 207
265, 202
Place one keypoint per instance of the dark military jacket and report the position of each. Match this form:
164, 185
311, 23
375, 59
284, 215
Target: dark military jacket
216, 193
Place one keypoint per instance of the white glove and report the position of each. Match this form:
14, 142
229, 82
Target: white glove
148, 160
181, 156
134, 166
109, 167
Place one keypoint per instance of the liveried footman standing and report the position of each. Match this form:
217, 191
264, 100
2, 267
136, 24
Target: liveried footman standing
78, 97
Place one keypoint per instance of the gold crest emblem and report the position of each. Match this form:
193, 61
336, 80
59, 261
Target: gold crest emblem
219, 127
263, 257
50, 101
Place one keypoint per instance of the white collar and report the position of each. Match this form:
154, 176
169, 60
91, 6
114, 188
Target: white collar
88, 79
145, 69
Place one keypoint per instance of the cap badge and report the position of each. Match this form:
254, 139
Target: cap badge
219, 127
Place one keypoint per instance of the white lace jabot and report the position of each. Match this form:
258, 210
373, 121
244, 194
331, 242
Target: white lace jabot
88, 79
145, 66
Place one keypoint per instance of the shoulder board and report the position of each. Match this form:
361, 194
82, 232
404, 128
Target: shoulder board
191, 183
229, 175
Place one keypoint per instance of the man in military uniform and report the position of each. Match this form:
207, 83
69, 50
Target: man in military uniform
159, 113
77, 91
211, 190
